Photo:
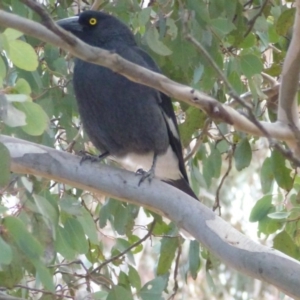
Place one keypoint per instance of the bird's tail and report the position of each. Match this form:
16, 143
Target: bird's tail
182, 185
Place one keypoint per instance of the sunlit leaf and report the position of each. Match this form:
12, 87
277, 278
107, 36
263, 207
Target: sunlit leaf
36, 119
23, 55
22, 86
12, 34
279, 215
152, 38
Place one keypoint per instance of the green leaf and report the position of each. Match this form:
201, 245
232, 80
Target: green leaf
118, 292
249, 41
6, 253
2, 69
101, 295
267, 225
17, 97
279, 215
222, 26
266, 175
70, 205
194, 259
122, 245
285, 21
242, 154
144, 15
88, 225
284, 243
107, 211
44, 276
121, 218
46, 209
4, 43
280, 171
250, 65
152, 39
9, 114
235, 80
12, 34
36, 118
63, 244
12, 274
154, 288
194, 119
172, 28
25, 240
23, 55
22, 86
167, 253
134, 278
261, 208
4, 165
76, 234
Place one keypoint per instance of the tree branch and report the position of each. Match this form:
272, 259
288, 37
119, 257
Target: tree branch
225, 242
288, 104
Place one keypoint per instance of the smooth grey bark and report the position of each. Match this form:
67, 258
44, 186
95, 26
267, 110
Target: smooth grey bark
225, 242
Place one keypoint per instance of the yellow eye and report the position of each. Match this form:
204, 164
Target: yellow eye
93, 21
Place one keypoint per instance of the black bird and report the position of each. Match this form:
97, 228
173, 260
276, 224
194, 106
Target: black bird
131, 122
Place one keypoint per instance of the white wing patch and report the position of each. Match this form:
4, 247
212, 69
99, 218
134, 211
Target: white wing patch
166, 166
171, 126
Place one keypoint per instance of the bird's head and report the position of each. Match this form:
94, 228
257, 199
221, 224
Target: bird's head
97, 28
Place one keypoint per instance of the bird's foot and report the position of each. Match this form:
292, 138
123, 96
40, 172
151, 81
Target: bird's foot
91, 157
145, 175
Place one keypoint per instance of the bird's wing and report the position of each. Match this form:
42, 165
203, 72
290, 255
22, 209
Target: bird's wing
168, 112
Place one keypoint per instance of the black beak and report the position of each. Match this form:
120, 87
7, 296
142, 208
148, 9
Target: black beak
70, 24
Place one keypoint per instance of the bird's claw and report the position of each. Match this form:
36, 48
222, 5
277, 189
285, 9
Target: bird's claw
145, 175
87, 156
92, 158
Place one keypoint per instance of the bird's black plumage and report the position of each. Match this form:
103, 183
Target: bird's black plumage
132, 122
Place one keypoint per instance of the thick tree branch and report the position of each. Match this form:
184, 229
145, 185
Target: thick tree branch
288, 104
211, 106
214, 233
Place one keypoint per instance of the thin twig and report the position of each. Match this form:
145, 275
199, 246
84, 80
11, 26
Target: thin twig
253, 20
41, 291
48, 22
70, 146
250, 115
217, 200
127, 250
175, 289
198, 140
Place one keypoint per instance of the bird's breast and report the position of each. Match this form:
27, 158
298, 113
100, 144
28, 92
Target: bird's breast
166, 165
